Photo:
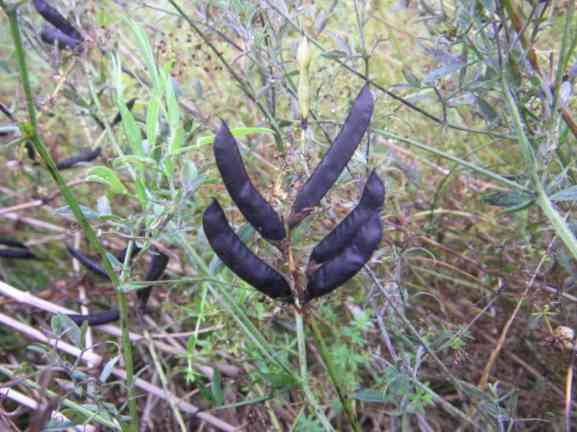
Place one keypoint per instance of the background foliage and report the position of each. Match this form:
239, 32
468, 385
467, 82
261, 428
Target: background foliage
455, 321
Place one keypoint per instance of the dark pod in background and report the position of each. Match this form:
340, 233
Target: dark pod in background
257, 211
51, 15
88, 263
239, 258
335, 159
158, 264
14, 249
98, 318
83, 156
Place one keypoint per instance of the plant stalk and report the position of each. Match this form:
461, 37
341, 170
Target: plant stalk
333, 374
31, 130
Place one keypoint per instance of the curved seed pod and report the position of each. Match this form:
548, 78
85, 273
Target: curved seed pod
95, 319
91, 265
52, 36
12, 243
55, 18
158, 264
348, 263
335, 159
257, 211
118, 117
371, 202
83, 156
15, 250
17, 254
237, 257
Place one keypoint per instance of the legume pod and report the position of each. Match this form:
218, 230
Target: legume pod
239, 258
52, 36
348, 263
98, 318
257, 211
83, 156
335, 159
15, 250
158, 264
91, 265
55, 18
370, 203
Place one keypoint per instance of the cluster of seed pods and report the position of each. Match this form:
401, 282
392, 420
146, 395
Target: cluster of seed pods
339, 256
58, 31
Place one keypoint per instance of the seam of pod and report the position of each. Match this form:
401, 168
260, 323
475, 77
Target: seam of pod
348, 263
335, 159
371, 201
257, 211
239, 258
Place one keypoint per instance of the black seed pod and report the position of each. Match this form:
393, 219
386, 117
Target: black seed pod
83, 156
118, 117
95, 319
91, 265
55, 18
348, 263
158, 264
12, 243
237, 257
371, 202
15, 250
336, 158
17, 254
52, 36
257, 211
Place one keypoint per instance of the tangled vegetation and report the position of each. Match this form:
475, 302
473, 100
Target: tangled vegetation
395, 179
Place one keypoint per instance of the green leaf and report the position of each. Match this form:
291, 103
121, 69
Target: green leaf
569, 194
105, 175
237, 133
146, 52
371, 396
139, 162
86, 211
508, 198
131, 129
152, 117
216, 388
63, 326
107, 369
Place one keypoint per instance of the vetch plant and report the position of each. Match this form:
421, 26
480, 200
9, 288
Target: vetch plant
339, 256
333, 262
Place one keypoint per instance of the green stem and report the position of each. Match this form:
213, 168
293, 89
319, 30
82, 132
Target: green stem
333, 374
548, 208
32, 131
301, 340
480, 170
